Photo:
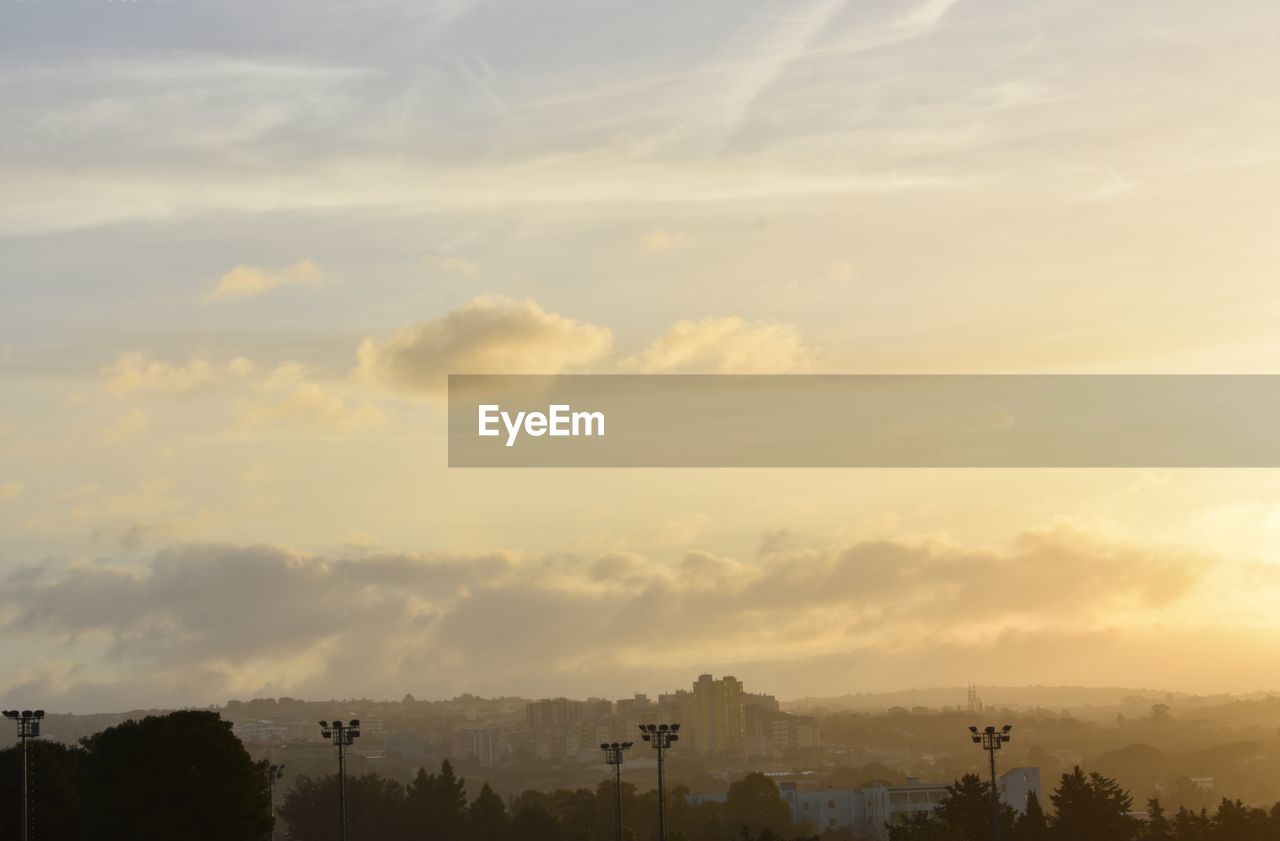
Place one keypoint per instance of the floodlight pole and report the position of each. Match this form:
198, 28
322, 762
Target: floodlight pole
991, 739
613, 752
661, 736
28, 722
342, 736
274, 773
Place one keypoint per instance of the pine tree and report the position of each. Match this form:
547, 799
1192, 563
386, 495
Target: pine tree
1158, 827
1093, 807
487, 816
1031, 825
451, 802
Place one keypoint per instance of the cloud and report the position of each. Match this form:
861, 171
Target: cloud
724, 346
454, 266
130, 424
150, 511
657, 240
288, 396
11, 490
216, 609
137, 373
489, 335
249, 281
240, 366
840, 271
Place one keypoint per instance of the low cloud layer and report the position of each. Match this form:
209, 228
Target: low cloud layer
200, 622
497, 335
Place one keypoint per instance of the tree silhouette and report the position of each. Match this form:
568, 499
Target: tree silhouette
57, 813
180, 775
1234, 821
1158, 827
487, 818
534, 822
1093, 807
375, 809
967, 810
1031, 825
755, 804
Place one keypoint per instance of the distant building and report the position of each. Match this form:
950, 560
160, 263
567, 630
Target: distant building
1017, 785
865, 811
477, 744
892, 804
553, 713
769, 732
598, 709
258, 731
828, 809
633, 708
411, 746
718, 715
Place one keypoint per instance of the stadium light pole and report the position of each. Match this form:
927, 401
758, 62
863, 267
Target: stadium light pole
28, 722
991, 739
342, 735
660, 736
613, 752
274, 772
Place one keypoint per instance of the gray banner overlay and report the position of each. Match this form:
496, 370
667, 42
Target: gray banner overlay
864, 421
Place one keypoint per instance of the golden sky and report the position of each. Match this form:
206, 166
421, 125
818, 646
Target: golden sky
243, 243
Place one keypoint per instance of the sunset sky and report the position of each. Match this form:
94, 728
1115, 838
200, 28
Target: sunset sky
242, 244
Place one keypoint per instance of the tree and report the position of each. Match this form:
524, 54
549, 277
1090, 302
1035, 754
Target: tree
706, 821
1233, 821
487, 816
1031, 825
1191, 826
437, 804
755, 804
1158, 828
967, 810
534, 822
923, 826
1093, 807
375, 809
180, 775
56, 770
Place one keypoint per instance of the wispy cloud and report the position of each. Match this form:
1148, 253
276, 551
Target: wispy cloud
251, 281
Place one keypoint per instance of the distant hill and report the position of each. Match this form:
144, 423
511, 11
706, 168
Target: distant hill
1081, 701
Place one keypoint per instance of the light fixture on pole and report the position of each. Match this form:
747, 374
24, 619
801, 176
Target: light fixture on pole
274, 772
342, 735
991, 739
28, 722
660, 736
613, 752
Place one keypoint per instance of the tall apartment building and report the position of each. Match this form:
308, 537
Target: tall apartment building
718, 721
554, 713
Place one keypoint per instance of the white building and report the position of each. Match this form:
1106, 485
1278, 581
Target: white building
891, 804
1017, 785
868, 811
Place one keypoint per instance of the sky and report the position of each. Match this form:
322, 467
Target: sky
243, 243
